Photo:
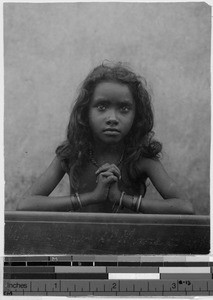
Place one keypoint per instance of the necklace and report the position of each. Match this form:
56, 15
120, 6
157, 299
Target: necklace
93, 161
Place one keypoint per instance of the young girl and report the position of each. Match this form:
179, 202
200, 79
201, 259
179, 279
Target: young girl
109, 152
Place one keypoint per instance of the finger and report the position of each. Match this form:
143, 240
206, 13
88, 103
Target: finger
115, 171
109, 173
116, 167
105, 167
105, 174
111, 179
107, 177
111, 168
102, 176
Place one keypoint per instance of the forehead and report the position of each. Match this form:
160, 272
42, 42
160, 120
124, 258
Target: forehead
108, 89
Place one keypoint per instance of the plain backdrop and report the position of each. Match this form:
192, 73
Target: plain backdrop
49, 48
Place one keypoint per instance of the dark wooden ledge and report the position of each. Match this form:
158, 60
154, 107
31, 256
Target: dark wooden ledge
54, 233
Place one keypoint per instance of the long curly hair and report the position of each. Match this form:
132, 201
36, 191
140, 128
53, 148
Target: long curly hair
73, 152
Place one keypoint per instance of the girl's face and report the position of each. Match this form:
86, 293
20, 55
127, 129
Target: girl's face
111, 112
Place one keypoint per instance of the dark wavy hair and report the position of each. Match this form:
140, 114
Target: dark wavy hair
73, 152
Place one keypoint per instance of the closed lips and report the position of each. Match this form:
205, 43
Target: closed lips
112, 130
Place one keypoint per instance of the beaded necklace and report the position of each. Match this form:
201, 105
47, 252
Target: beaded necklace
93, 161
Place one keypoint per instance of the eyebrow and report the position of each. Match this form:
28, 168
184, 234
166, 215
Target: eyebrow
127, 102
105, 100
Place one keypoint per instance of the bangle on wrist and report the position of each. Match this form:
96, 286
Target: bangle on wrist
139, 203
114, 205
79, 200
120, 202
74, 204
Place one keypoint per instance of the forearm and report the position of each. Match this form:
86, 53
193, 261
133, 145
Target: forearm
45, 203
167, 206
163, 206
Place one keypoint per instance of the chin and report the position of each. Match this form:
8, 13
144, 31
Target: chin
112, 142
113, 139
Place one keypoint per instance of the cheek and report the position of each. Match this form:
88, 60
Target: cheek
129, 123
131, 119
93, 120
90, 116
91, 124
133, 116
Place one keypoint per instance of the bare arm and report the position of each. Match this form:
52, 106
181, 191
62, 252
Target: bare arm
173, 202
36, 198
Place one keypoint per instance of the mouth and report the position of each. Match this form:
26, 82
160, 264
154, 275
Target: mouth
111, 131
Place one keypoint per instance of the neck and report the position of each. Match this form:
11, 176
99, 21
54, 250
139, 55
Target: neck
108, 153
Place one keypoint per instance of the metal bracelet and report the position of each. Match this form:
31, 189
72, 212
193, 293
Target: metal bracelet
79, 200
139, 203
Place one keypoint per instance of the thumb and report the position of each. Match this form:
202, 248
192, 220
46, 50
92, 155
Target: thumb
111, 179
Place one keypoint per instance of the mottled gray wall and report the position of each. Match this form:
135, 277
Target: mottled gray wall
50, 48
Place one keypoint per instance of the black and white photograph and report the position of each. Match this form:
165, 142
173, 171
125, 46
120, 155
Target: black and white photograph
107, 128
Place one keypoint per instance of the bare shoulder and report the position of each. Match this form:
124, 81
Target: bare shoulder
48, 180
56, 164
149, 165
54, 172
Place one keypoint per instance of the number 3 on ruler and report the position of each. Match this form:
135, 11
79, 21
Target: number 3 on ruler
174, 285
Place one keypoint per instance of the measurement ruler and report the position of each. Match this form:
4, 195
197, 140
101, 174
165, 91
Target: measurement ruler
107, 276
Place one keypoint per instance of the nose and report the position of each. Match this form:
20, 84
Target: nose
112, 118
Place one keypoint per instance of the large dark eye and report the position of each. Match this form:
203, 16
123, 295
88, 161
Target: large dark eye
101, 107
125, 108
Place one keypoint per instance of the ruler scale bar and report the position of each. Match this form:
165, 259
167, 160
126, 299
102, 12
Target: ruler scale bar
87, 276
173, 286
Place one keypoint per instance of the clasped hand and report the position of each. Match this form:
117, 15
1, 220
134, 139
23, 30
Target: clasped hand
107, 183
